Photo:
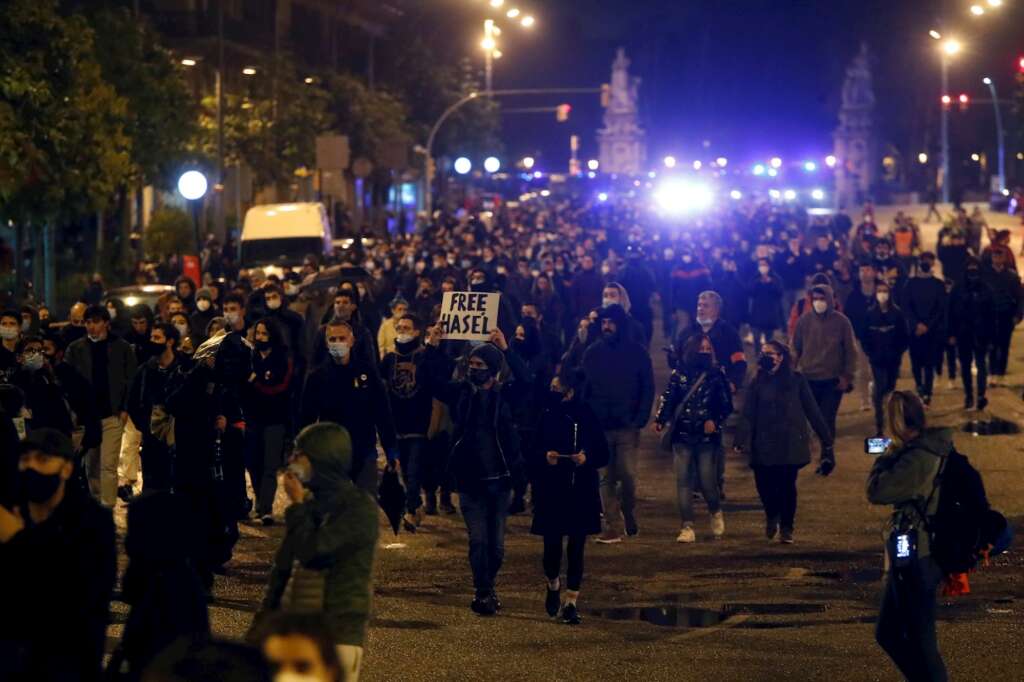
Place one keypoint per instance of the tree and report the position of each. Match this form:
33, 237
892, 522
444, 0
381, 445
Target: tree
372, 119
169, 233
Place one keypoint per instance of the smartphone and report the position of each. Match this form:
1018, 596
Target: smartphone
876, 446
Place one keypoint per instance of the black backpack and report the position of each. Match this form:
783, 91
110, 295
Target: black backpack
957, 530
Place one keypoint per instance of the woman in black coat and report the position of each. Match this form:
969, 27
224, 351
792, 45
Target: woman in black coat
776, 408
570, 449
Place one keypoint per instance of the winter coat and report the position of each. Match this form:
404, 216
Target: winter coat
352, 395
711, 401
971, 313
620, 383
58, 577
728, 348
325, 562
585, 292
411, 380
1006, 289
776, 410
566, 497
766, 303
268, 394
121, 366
924, 302
885, 337
905, 477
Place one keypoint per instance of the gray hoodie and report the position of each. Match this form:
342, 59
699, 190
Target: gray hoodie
823, 345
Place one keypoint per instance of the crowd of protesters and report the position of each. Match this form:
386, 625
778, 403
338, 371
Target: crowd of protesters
168, 407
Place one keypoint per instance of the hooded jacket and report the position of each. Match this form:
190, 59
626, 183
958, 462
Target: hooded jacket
325, 562
823, 344
620, 378
885, 337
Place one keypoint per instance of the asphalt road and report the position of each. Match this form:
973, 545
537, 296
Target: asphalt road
737, 609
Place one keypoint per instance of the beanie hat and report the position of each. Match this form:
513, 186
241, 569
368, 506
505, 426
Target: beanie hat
205, 293
615, 313
491, 355
48, 441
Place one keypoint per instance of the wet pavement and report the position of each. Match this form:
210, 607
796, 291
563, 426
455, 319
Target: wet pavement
741, 608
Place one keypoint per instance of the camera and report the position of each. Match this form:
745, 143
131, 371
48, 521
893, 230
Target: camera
876, 446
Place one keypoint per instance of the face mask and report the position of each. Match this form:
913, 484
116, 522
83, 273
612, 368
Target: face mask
232, 318
300, 472
705, 322
702, 361
581, 334
404, 338
182, 329
820, 307
766, 363
38, 487
883, 297
262, 345
605, 302
202, 305
926, 267
764, 269
113, 313
273, 303
94, 339
291, 289
9, 333
338, 350
26, 325
157, 348
478, 376
32, 361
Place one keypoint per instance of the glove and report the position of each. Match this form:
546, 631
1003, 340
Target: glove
827, 463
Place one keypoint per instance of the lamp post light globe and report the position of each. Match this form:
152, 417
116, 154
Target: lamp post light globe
670, 162
528, 162
463, 165
193, 185
952, 46
593, 164
831, 161
776, 162
492, 164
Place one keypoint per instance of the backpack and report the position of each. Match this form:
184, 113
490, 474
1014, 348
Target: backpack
957, 530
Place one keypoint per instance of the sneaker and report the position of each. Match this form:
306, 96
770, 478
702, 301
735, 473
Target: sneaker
609, 537
483, 606
552, 602
430, 506
787, 536
496, 601
267, 520
686, 535
629, 521
446, 505
771, 528
409, 522
982, 404
926, 399
571, 614
718, 525
125, 492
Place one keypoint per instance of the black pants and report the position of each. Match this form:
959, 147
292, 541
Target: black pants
776, 485
828, 396
264, 455
435, 471
972, 350
412, 454
553, 559
999, 353
885, 383
923, 351
947, 352
906, 622
157, 464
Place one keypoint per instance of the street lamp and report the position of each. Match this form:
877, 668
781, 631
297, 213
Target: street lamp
831, 161
528, 162
1000, 134
977, 10
491, 164
670, 162
810, 166
722, 161
463, 165
248, 71
593, 164
922, 158
528, 21
775, 162
193, 185
948, 48
697, 165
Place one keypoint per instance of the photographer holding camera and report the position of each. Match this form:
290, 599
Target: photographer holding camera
905, 477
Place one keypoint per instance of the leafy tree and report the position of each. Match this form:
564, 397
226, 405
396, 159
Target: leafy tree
370, 118
169, 233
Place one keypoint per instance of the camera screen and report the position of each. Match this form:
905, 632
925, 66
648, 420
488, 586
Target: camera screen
902, 546
876, 446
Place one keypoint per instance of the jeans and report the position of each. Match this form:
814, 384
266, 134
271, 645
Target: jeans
412, 455
969, 350
364, 471
999, 353
885, 383
906, 622
618, 479
703, 457
776, 485
923, 351
264, 455
828, 396
101, 462
947, 352
435, 470
485, 511
553, 559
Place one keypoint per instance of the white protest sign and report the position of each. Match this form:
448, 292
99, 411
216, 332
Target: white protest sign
468, 316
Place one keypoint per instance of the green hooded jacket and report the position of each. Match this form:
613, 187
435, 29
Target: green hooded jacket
325, 562
905, 478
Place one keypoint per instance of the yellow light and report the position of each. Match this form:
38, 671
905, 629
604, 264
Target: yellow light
249, 71
528, 21
498, 54
1020, 156
995, 3
922, 158
497, 3
513, 13
935, 34
188, 62
488, 44
975, 157
977, 10
308, 80
952, 46
528, 162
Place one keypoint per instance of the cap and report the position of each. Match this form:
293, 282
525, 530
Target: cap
48, 441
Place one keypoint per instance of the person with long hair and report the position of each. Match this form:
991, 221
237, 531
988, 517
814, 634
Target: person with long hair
776, 409
694, 407
905, 477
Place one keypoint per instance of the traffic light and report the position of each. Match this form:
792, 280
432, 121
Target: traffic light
965, 101
562, 113
1020, 64
606, 93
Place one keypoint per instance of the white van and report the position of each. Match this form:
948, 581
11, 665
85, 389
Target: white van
282, 235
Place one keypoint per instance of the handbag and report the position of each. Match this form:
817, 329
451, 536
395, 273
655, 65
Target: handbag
666, 436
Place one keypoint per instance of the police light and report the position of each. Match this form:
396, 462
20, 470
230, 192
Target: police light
817, 194
810, 166
680, 196
759, 169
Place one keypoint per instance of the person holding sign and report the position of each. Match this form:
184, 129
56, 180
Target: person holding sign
485, 459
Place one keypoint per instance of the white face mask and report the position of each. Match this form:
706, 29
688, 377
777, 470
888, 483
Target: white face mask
9, 333
338, 350
404, 338
291, 289
820, 307
182, 329
764, 269
113, 313
883, 297
203, 305
605, 302
232, 318
582, 335
273, 303
705, 322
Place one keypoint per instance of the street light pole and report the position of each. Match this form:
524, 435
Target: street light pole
945, 130
1000, 134
428, 201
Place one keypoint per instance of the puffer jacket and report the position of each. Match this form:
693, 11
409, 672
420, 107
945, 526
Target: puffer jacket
905, 478
711, 401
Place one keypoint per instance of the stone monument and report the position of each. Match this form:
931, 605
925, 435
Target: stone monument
854, 140
622, 139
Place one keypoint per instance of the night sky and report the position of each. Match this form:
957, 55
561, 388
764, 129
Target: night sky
755, 78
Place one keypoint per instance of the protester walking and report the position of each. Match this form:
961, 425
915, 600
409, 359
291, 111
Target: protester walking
885, 340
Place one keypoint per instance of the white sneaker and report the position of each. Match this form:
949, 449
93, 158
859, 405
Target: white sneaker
687, 535
718, 524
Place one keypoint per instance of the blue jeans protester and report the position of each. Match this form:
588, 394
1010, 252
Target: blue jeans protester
702, 459
485, 510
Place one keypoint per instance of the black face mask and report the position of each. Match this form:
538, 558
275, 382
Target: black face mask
702, 361
973, 275
38, 487
926, 266
478, 376
156, 349
766, 363
262, 345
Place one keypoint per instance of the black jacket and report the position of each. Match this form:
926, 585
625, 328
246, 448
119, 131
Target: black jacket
776, 409
711, 401
353, 396
885, 336
766, 304
971, 313
1006, 290
58, 577
924, 302
728, 348
412, 380
268, 395
565, 496
620, 383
